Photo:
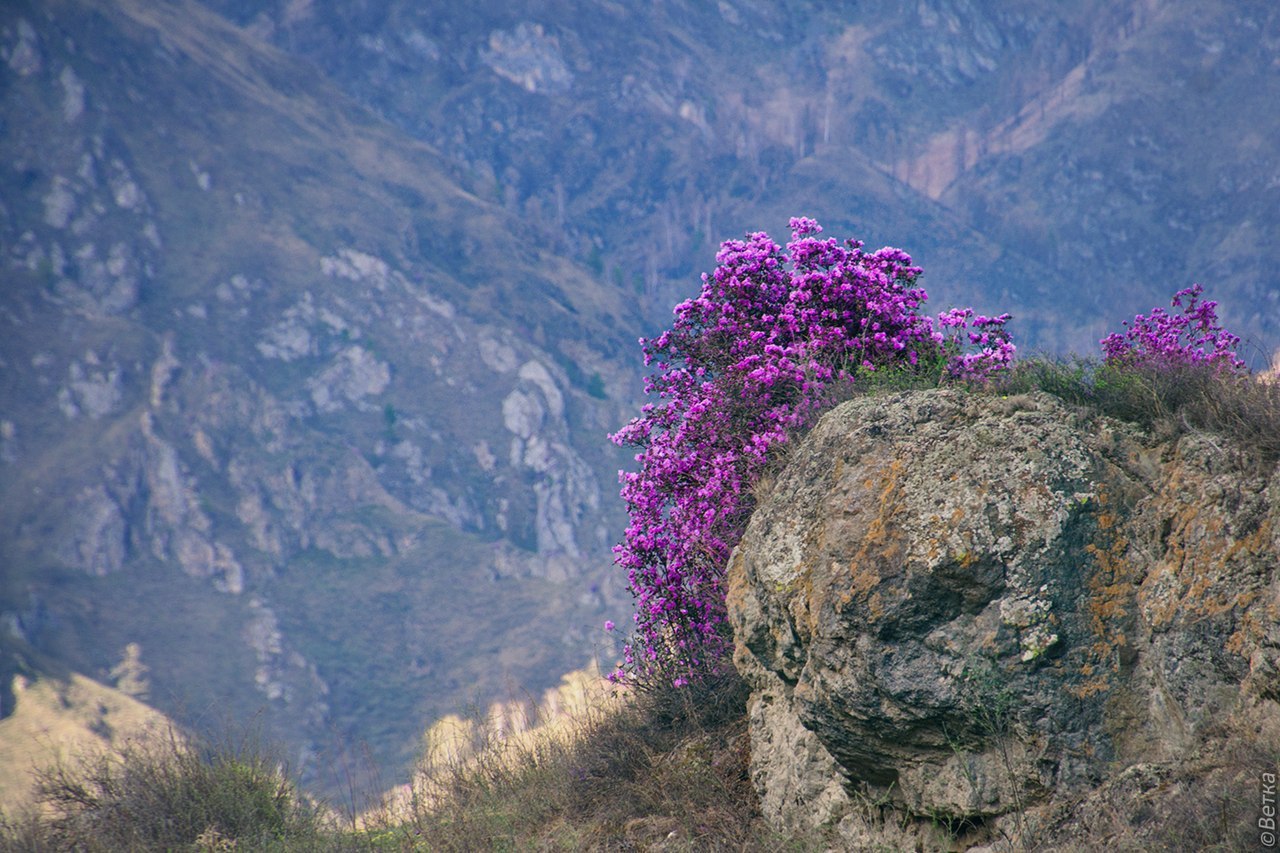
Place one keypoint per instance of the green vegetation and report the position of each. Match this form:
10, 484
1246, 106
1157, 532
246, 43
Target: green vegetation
1168, 399
665, 766
168, 793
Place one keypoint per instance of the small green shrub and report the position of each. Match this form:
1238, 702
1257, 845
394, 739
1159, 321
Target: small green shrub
167, 794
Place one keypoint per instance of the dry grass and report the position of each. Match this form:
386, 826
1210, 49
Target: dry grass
167, 792
1168, 399
660, 768
653, 768
54, 718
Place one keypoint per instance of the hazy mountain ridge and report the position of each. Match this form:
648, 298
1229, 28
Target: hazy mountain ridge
1063, 150
206, 375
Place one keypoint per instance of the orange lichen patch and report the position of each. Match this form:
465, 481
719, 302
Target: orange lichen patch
802, 616
1111, 596
882, 542
1194, 578
1253, 627
1160, 596
881, 532
802, 603
737, 587
1089, 688
863, 579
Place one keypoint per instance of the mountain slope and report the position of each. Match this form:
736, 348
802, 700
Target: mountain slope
65, 717
1085, 161
285, 406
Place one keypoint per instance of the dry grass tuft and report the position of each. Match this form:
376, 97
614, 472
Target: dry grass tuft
1169, 399
661, 767
167, 793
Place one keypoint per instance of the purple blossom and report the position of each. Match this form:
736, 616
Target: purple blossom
1164, 339
746, 364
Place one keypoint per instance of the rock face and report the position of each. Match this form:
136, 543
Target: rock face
343, 471
979, 621
1028, 142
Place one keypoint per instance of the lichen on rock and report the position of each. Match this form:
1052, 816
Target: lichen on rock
976, 609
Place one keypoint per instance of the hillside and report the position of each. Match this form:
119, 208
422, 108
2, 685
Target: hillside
1065, 163
314, 317
262, 416
53, 717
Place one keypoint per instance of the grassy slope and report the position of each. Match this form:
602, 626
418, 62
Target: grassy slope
59, 719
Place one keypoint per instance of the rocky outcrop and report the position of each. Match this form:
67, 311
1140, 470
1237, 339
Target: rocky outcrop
971, 620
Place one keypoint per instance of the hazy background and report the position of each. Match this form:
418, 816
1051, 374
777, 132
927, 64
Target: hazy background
314, 316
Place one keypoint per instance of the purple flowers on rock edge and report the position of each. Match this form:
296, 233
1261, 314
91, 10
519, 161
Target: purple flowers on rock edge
1193, 337
753, 360
746, 364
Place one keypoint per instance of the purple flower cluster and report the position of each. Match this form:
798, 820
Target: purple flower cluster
989, 333
1190, 338
745, 364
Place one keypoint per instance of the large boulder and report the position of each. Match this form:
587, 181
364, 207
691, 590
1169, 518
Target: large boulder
972, 620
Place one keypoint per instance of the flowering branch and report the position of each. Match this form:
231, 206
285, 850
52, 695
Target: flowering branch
1193, 337
746, 364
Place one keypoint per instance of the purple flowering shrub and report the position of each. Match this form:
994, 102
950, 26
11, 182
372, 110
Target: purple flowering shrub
745, 365
1170, 373
1180, 371
1193, 337
772, 338
989, 333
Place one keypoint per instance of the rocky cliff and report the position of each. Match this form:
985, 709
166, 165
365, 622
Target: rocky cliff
970, 620
260, 418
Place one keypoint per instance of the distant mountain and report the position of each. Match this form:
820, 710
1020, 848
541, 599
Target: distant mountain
314, 317
313, 426
1073, 163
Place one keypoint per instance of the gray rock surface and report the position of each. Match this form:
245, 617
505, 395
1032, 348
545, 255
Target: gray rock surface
984, 612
